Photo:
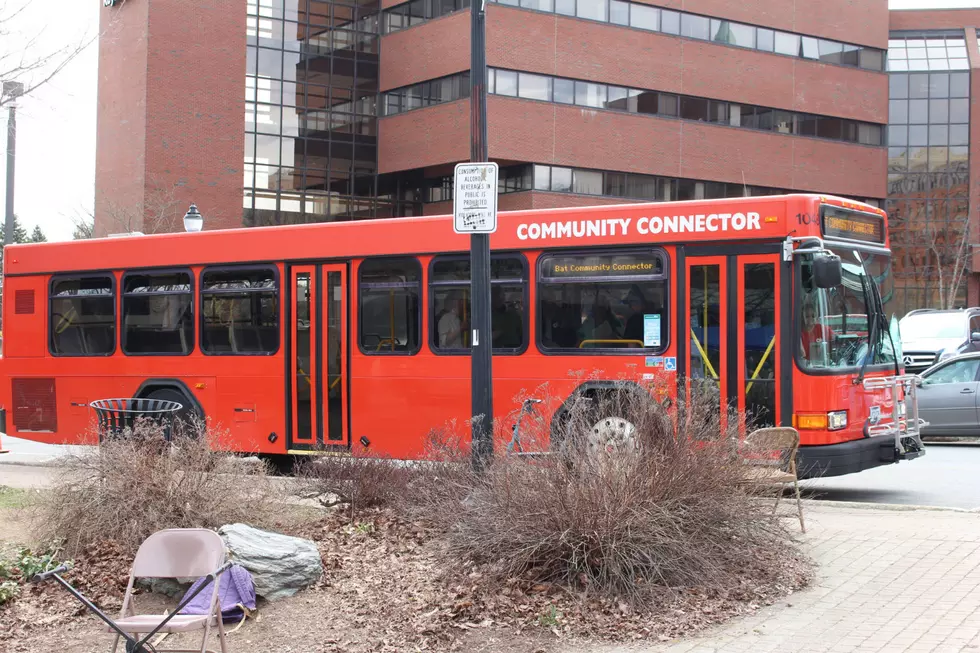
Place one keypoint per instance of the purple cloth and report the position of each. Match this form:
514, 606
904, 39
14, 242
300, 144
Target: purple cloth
236, 595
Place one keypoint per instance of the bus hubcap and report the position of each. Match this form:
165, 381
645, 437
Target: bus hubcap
612, 434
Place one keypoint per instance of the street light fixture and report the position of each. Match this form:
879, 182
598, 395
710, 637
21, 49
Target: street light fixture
193, 220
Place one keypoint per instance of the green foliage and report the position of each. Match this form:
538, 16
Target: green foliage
37, 236
549, 618
29, 563
8, 591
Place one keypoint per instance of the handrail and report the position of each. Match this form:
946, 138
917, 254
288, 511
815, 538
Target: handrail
609, 342
704, 356
385, 341
762, 362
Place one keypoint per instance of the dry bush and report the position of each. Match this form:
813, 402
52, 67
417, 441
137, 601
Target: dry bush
354, 481
624, 511
137, 482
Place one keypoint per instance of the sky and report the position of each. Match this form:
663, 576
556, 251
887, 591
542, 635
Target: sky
55, 169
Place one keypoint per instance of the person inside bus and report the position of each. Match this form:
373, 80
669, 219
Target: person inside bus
601, 325
813, 333
508, 327
634, 323
450, 325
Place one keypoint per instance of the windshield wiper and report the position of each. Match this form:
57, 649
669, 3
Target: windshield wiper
877, 318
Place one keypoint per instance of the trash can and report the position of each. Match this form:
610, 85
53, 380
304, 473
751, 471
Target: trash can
117, 415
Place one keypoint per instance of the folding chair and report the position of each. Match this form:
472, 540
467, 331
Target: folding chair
173, 553
769, 456
176, 553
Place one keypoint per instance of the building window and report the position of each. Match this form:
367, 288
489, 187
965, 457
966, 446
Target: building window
158, 313
389, 317
82, 316
612, 301
449, 287
240, 310
602, 96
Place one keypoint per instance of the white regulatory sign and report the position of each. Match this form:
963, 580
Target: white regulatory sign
475, 198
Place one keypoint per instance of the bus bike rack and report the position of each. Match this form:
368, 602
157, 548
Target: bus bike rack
909, 428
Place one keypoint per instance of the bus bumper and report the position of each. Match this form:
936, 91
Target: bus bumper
854, 456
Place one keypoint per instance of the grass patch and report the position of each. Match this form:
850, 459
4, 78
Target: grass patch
13, 498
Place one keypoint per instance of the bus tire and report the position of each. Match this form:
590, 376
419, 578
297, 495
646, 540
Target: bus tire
186, 416
607, 428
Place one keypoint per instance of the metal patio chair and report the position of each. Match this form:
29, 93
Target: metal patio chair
769, 457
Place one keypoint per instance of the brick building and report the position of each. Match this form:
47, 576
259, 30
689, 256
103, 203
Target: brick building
356, 109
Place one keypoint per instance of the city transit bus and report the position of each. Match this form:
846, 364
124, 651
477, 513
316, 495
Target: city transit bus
343, 337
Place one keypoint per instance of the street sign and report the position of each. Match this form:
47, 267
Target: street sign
475, 198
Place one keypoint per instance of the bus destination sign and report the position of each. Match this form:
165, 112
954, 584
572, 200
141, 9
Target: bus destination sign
840, 223
602, 265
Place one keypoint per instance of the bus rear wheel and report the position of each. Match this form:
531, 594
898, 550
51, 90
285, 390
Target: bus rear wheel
185, 418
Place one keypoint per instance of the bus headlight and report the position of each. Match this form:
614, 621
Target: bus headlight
836, 420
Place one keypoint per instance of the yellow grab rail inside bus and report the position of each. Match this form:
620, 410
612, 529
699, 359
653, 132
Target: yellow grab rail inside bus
704, 356
386, 341
609, 342
762, 362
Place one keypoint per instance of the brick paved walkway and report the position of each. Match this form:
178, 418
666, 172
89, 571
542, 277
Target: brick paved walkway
887, 580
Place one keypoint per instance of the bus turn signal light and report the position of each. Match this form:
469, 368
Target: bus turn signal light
832, 421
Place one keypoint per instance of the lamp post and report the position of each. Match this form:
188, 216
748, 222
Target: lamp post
193, 220
11, 91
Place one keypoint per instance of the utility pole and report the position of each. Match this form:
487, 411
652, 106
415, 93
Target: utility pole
11, 91
482, 339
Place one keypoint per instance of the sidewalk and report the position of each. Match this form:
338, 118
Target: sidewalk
886, 580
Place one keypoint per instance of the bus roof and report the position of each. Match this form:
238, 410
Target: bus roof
770, 217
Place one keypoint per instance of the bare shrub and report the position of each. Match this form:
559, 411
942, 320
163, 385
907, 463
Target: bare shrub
354, 481
137, 482
637, 497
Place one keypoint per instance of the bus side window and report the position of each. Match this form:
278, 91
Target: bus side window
389, 316
240, 310
452, 323
82, 316
158, 313
602, 301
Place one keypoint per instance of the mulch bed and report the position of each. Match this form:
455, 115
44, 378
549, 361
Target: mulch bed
385, 589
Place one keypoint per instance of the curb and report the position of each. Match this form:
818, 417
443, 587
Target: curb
951, 443
892, 507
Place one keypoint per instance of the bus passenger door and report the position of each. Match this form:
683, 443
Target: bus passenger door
333, 341
303, 356
707, 329
318, 357
759, 304
732, 357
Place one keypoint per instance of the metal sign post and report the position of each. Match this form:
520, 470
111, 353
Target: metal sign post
481, 220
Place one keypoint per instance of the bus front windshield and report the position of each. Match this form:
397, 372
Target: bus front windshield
840, 327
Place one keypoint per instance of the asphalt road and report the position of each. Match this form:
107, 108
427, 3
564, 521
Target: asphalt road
947, 476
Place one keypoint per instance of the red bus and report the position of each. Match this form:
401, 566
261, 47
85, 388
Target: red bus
342, 336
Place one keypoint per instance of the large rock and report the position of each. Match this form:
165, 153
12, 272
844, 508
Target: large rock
280, 565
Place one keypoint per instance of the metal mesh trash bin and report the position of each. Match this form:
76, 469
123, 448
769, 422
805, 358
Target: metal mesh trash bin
117, 415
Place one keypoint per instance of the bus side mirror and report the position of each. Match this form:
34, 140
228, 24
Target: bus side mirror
826, 271
975, 336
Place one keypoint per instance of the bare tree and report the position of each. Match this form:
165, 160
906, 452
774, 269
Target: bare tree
950, 248
158, 212
22, 57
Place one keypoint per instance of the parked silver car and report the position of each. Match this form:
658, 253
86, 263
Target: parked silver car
948, 396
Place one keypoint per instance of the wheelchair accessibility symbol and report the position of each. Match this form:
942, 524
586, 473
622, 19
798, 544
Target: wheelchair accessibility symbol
670, 364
